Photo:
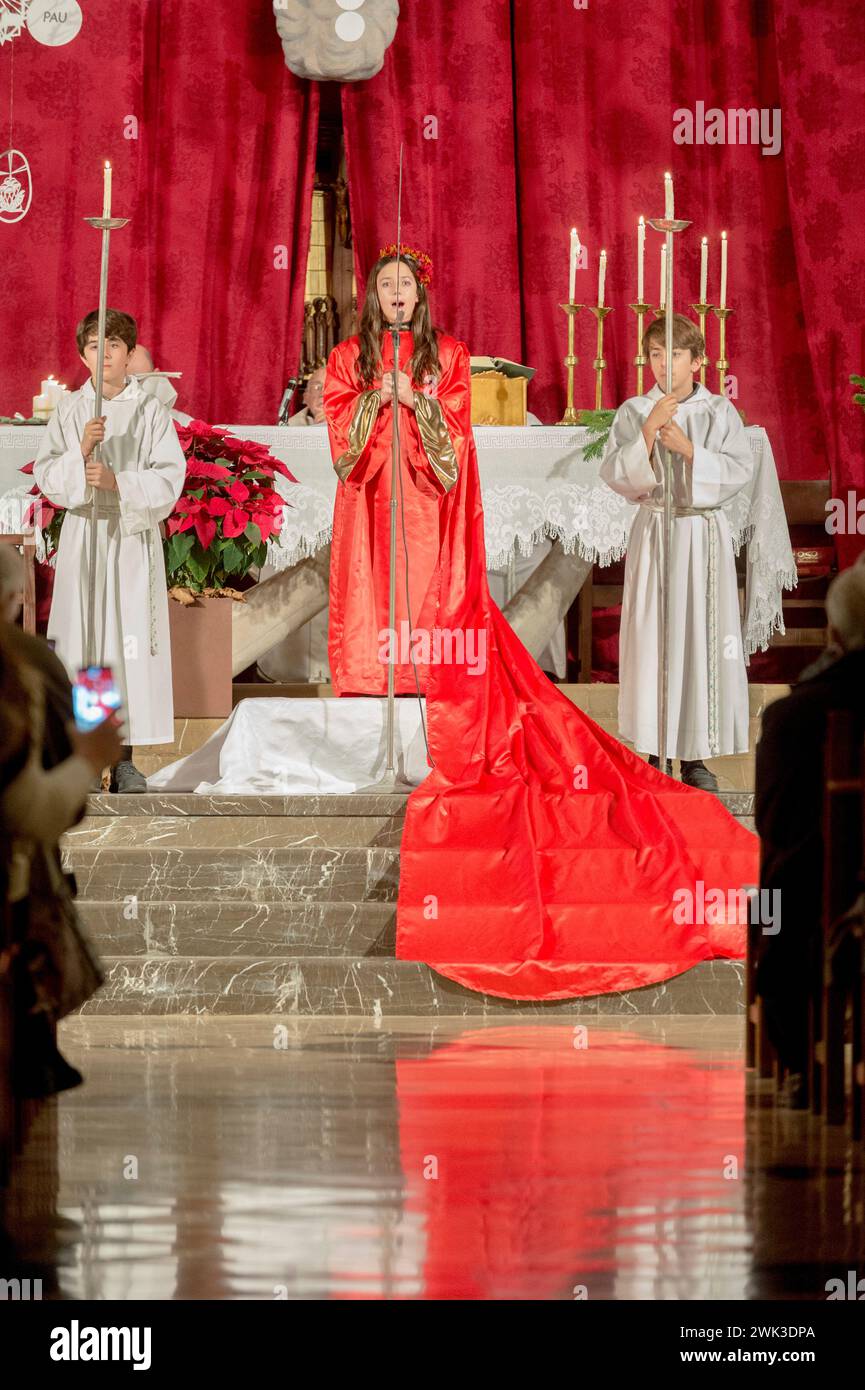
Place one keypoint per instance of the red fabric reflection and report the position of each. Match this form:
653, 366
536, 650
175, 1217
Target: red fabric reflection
537, 1166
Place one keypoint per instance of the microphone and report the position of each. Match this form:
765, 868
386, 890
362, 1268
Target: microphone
287, 398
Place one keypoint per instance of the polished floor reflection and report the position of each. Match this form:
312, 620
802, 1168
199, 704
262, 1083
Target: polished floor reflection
258, 1158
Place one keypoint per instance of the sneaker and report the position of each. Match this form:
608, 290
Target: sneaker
654, 761
126, 778
696, 774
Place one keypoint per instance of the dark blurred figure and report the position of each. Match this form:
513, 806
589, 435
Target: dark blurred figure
46, 771
789, 811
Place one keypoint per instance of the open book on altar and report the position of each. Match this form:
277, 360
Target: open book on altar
500, 364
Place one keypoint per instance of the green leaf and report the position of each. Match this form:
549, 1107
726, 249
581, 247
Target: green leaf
253, 533
197, 565
232, 557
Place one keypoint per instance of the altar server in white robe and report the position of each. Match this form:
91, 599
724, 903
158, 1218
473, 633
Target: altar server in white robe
138, 481
712, 460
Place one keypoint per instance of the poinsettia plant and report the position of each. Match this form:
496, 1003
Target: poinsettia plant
223, 519
228, 510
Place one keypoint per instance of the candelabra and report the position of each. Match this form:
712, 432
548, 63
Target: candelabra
571, 416
599, 364
722, 364
701, 310
641, 308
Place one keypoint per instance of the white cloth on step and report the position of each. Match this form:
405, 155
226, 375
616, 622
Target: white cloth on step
282, 747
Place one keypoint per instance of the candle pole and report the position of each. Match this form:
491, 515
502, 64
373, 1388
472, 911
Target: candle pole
640, 308
600, 312
106, 224
701, 310
722, 314
571, 415
670, 226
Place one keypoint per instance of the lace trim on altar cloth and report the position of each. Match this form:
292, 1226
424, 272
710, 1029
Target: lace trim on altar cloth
586, 517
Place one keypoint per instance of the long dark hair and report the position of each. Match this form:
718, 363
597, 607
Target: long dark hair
425, 357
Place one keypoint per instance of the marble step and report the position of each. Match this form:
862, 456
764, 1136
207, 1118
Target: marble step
130, 874
374, 987
358, 804
240, 928
249, 832
190, 804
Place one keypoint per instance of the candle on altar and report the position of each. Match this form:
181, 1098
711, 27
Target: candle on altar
668, 197
602, 275
572, 266
106, 190
723, 301
52, 391
41, 407
704, 268
662, 297
641, 257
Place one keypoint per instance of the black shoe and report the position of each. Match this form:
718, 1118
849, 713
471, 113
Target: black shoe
696, 774
126, 778
654, 761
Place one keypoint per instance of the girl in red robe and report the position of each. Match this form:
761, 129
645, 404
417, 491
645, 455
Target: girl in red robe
540, 858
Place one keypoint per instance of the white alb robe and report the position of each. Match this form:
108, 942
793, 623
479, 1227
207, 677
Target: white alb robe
707, 688
142, 449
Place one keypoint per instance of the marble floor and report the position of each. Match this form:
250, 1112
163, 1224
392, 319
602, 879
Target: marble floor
409, 1158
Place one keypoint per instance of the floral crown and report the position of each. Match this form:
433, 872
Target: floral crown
421, 259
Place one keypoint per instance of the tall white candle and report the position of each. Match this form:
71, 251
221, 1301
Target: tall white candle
106, 190
668, 196
662, 298
723, 303
704, 268
602, 275
641, 257
572, 267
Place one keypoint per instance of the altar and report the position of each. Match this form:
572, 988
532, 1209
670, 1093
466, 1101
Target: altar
538, 488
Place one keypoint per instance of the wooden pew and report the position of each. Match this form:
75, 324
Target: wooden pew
841, 961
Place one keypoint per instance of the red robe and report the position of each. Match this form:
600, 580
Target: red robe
540, 859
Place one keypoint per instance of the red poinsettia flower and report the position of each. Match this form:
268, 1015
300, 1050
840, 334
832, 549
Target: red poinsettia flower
203, 468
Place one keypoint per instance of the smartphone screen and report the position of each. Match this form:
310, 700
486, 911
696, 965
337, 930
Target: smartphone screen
94, 696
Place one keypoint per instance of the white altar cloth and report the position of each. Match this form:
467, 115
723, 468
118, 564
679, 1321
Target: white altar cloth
281, 747
535, 482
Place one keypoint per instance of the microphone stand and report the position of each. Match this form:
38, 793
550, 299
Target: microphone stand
391, 781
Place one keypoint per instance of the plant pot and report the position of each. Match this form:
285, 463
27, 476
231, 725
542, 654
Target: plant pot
201, 657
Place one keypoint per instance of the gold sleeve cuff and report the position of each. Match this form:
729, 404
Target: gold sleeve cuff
359, 432
436, 441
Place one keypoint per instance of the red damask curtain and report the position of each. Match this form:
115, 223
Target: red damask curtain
212, 141
446, 91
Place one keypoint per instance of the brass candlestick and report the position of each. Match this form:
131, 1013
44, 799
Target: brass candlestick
701, 310
599, 364
571, 416
641, 308
722, 364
